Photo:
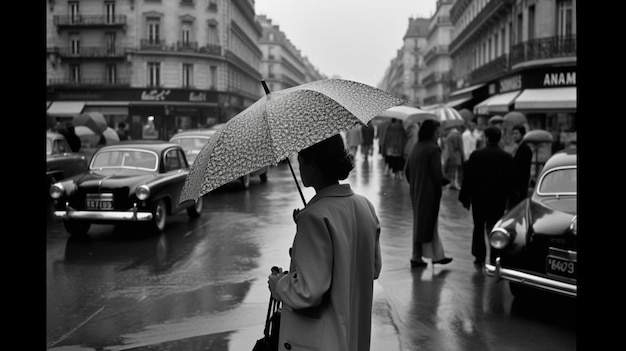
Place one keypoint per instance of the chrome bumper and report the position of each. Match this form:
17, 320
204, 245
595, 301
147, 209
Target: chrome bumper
530, 280
132, 215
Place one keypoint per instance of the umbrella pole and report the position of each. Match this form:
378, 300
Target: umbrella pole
296, 180
267, 91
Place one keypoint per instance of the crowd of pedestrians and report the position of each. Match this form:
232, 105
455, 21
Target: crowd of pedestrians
490, 177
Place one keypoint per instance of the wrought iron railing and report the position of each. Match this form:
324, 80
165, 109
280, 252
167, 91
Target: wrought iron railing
544, 48
89, 20
66, 82
92, 52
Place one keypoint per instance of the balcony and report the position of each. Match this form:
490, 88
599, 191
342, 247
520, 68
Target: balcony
84, 21
95, 52
180, 46
544, 48
436, 51
491, 70
89, 83
187, 46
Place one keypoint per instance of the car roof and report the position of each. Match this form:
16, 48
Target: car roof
150, 145
203, 132
565, 157
54, 135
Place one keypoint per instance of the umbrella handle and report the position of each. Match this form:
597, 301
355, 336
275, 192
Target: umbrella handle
296, 179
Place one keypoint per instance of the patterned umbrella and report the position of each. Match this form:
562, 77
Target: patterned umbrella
449, 117
280, 124
88, 137
92, 120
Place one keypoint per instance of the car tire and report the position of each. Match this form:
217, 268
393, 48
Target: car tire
159, 215
77, 229
196, 210
520, 291
245, 181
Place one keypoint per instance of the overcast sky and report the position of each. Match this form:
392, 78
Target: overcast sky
352, 39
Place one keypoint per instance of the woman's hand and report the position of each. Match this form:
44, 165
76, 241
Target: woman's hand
272, 280
296, 212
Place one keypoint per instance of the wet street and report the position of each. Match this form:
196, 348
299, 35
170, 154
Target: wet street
202, 284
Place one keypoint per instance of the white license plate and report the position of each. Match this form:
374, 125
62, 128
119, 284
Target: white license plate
561, 267
99, 202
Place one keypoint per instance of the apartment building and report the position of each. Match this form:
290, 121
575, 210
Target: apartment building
283, 65
179, 63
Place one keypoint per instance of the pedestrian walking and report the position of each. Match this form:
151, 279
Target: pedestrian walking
487, 186
381, 131
354, 139
72, 138
454, 159
522, 159
122, 133
327, 293
425, 176
367, 143
395, 140
412, 133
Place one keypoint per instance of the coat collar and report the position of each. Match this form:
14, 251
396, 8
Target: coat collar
332, 191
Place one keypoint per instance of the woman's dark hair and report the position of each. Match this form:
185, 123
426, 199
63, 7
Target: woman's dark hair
520, 128
330, 156
427, 130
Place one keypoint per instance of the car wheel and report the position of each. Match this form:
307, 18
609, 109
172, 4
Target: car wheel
159, 213
245, 181
195, 210
76, 228
263, 177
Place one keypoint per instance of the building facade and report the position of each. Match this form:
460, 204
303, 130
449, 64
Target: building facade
179, 63
283, 65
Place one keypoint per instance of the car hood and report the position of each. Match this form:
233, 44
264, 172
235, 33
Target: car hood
551, 215
117, 178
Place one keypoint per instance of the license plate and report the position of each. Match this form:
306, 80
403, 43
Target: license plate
561, 267
100, 202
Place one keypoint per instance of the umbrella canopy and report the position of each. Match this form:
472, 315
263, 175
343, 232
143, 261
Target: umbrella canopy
466, 114
280, 124
90, 138
515, 117
92, 120
449, 117
537, 136
495, 119
401, 112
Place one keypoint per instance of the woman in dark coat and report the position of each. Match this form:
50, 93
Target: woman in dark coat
424, 173
522, 159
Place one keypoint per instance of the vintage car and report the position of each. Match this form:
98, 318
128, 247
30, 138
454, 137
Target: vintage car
533, 245
129, 182
192, 141
61, 162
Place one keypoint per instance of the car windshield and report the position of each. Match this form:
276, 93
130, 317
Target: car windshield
48, 147
191, 145
130, 159
558, 181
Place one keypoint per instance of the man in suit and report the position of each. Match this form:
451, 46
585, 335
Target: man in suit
487, 187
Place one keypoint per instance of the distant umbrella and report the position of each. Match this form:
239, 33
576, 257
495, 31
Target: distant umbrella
88, 137
449, 117
515, 117
92, 120
495, 119
537, 136
466, 114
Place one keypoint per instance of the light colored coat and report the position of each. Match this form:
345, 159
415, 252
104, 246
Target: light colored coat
335, 258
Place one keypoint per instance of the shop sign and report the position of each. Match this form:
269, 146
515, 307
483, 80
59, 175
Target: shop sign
154, 95
510, 83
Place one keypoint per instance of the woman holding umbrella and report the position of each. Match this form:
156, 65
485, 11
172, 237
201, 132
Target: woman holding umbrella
328, 292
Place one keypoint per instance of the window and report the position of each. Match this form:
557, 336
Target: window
75, 73
186, 33
109, 40
74, 44
271, 36
109, 10
520, 26
111, 72
74, 11
564, 20
213, 77
213, 35
187, 75
172, 161
531, 22
153, 30
154, 74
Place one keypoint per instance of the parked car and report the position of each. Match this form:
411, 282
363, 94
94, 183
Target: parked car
129, 182
61, 162
192, 141
533, 246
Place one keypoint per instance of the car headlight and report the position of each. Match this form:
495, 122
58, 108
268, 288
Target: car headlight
499, 238
142, 192
573, 226
57, 190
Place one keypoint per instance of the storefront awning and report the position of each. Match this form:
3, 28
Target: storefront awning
65, 108
463, 91
456, 102
496, 104
547, 99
